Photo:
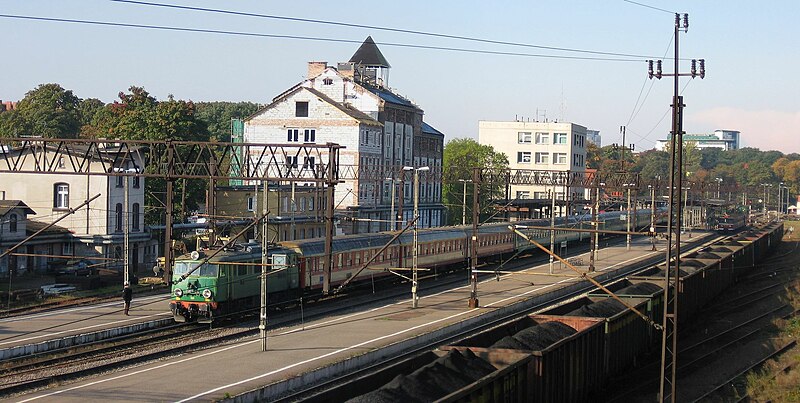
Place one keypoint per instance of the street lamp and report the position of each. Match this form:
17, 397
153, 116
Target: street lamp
464, 202
414, 276
766, 197
628, 187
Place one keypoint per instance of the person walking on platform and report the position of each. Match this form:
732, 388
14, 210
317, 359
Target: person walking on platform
127, 295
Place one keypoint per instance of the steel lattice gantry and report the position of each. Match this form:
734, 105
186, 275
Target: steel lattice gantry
171, 160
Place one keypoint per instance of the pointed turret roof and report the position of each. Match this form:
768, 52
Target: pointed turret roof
368, 54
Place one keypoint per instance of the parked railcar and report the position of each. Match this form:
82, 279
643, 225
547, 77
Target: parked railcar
440, 248
731, 223
552, 364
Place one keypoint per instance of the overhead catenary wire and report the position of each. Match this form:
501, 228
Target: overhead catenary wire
376, 28
313, 38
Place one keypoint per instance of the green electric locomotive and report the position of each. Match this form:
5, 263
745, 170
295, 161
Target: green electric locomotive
205, 289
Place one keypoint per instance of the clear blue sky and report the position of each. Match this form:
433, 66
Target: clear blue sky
750, 50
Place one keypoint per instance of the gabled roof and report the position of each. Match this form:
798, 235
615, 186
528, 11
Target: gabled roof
8, 205
354, 113
346, 108
368, 54
428, 129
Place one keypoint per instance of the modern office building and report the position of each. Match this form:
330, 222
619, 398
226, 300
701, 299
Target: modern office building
722, 139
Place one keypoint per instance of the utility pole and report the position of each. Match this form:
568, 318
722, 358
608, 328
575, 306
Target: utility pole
552, 227
669, 340
473, 295
464, 202
414, 271
126, 231
628, 219
653, 215
262, 326
595, 238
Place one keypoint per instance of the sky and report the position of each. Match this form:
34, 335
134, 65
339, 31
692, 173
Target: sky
749, 48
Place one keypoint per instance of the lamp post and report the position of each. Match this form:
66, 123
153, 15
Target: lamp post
628, 217
464, 202
765, 200
414, 258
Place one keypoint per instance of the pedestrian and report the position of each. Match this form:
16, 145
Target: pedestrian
127, 295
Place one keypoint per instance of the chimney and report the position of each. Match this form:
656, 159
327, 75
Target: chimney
346, 69
316, 68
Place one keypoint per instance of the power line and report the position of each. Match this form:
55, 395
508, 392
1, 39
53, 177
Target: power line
307, 38
376, 28
649, 6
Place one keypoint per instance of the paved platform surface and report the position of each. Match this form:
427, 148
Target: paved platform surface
240, 366
64, 322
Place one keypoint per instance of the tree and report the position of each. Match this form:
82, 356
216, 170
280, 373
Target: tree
461, 156
49, 111
218, 115
12, 124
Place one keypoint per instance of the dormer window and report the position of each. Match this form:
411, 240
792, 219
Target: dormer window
327, 81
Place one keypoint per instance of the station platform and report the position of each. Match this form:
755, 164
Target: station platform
41, 331
332, 345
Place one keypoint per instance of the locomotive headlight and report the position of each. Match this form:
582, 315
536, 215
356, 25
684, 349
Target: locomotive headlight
207, 293
178, 292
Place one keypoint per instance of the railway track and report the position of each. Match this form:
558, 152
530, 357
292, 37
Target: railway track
777, 272
312, 390
37, 371
85, 361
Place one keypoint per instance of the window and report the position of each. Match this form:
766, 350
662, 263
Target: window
12, 223
137, 182
524, 157
327, 81
559, 158
524, 137
301, 109
542, 158
119, 217
61, 196
308, 163
542, 138
292, 135
560, 138
311, 203
135, 216
291, 161
67, 249
523, 194
541, 195
250, 203
309, 135
120, 182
